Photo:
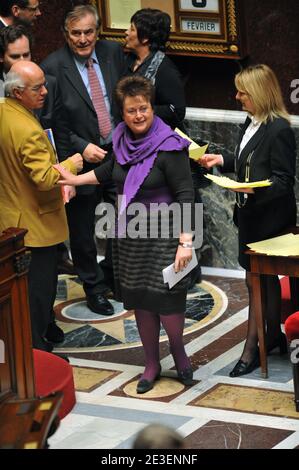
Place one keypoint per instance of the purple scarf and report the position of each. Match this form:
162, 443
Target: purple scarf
141, 153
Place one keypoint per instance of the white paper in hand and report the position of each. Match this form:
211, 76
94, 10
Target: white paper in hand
172, 278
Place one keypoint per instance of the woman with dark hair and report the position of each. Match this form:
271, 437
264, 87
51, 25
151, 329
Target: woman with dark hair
146, 40
150, 165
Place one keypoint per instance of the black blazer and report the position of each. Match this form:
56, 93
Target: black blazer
78, 111
48, 114
270, 154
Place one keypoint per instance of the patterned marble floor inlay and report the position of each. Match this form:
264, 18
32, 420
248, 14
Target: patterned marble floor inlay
92, 332
215, 412
249, 399
220, 435
87, 379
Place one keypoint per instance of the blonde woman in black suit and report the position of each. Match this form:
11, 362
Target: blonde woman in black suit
266, 150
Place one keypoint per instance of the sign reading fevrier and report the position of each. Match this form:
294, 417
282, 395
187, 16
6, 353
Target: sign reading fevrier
200, 26
195, 5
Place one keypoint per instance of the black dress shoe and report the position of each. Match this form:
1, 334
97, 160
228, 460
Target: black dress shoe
65, 266
54, 333
145, 385
185, 376
242, 368
98, 304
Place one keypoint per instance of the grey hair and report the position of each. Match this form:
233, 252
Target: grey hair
78, 12
12, 81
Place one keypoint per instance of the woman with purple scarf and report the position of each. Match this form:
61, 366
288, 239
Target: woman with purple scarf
151, 165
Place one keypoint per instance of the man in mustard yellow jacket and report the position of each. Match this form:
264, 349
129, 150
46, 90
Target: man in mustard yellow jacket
29, 197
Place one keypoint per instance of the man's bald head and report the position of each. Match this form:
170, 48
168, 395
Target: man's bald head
25, 82
27, 70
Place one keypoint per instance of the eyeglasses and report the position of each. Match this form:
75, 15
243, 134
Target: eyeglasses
133, 112
33, 9
39, 87
35, 88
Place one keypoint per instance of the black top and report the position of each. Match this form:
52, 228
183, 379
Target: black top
170, 104
170, 170
269, 154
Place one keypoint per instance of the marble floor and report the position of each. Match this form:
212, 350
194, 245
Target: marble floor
216, 412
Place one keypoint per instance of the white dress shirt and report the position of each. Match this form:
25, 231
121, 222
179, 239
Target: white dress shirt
249, 133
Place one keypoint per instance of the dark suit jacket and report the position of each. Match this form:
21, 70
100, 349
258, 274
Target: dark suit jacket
270, 210
51, 115
79, 113
47, 115
2, 25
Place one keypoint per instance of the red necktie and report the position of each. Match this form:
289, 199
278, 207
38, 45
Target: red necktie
98, 100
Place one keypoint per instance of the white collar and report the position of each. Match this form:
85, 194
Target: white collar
4, 22
254, 121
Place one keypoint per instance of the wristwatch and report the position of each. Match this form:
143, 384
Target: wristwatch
186, 244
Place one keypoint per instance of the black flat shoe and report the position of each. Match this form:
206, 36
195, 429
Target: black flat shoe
185, 376
281, 343
242, 368
145, 385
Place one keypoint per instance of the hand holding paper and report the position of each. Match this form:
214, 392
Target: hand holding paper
231, 184
171, 278
209, 160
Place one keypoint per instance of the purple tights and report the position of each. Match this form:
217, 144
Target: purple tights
148, 324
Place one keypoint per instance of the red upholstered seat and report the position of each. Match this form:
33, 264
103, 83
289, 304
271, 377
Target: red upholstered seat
292, 326
286, 304
53, 374
292, 331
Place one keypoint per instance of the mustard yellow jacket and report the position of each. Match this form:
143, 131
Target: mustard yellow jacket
28, 195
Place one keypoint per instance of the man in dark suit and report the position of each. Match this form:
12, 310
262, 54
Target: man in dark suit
84, 131
15, 44
18, 11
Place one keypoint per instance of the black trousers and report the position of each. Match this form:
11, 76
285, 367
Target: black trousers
42, 285
81, 220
